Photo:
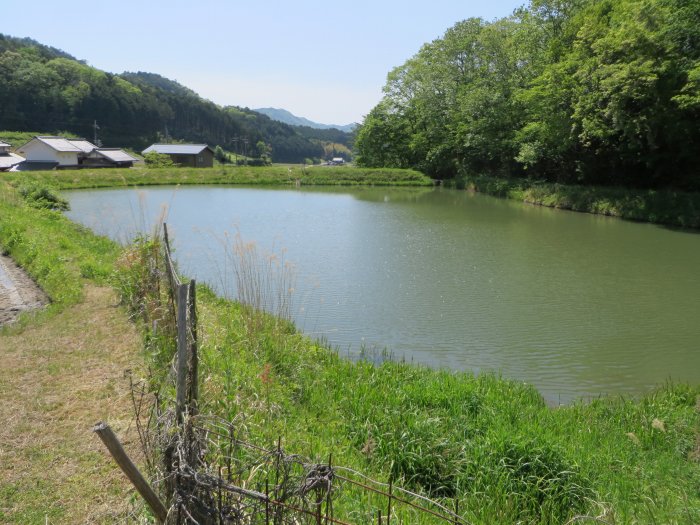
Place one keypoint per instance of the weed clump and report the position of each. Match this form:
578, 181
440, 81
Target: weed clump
538, 478
37, 195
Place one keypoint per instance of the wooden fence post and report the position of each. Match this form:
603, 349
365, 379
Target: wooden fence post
115, 449
193, 394
391, 489
182, 347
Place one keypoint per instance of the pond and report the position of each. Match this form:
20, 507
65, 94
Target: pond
578, 305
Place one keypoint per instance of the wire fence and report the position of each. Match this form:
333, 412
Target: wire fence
205, 473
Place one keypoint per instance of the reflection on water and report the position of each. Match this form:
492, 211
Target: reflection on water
579, 305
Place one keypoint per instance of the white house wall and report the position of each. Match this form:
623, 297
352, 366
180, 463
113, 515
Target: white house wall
37, 151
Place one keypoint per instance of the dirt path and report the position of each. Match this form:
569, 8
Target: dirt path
57, 379
17, 291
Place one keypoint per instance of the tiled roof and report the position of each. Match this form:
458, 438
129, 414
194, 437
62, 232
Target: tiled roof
36, 166
70, 145
59, 144
116, 155
82, 144
8, 160
176, 149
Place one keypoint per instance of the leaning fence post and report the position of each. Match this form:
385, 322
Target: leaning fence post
391, 489
115, 449
193, 395
181, 387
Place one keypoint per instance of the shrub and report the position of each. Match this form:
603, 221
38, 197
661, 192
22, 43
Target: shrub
37, 195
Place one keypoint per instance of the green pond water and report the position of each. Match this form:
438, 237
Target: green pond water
576, 304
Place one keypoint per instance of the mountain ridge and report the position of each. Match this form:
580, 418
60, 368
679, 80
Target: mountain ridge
287, 117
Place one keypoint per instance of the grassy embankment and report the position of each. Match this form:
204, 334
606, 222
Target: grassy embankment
672, 208
268, 175
491, 443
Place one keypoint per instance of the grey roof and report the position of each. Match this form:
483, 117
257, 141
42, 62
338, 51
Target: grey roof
36, 166
177, 149
4, 144
7, 160
116, 155
59, 144
82, 144
64, 144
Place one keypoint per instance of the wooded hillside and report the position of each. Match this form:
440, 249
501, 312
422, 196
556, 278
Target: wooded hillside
573, 91
46, 89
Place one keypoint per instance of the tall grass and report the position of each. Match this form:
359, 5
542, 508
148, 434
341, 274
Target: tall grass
264, 282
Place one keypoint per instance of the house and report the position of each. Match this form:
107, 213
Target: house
48, 152
52, 152
7, 158
109, 158
191, 155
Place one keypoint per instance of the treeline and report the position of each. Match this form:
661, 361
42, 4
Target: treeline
572, 91
43, 88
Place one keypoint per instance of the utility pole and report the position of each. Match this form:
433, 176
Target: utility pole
234, 140
95, 127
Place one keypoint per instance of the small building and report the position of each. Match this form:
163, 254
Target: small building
59, 151
8, 159
339, 161
190, 155
109, 158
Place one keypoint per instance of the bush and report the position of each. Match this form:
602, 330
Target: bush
37, 195
154, 159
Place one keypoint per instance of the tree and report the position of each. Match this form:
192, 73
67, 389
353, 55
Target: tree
219, 155
154, 159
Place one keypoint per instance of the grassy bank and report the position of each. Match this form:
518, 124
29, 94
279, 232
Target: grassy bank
673, 208
267, 175
489, 443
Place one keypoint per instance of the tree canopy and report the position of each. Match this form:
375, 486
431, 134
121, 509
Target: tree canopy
574, 91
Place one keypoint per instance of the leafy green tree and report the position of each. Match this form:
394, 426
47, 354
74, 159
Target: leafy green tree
219, 155
154, 159
584, 91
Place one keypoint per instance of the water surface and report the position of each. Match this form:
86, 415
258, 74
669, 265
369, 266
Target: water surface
579, 305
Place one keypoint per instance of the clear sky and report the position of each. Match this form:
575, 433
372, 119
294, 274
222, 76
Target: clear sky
326, 61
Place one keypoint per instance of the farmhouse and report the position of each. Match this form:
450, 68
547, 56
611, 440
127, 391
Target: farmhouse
190, 155
44, 151
8, 159
48, 152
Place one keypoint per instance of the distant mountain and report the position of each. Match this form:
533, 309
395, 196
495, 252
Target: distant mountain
282, 115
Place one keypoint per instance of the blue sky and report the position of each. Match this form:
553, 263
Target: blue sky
326, 61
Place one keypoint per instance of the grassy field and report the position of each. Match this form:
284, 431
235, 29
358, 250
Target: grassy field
673, 208
491, 444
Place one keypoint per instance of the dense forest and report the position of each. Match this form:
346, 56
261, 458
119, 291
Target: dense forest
573, 91
46, 89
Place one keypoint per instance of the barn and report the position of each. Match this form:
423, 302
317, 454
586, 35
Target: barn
189, 155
